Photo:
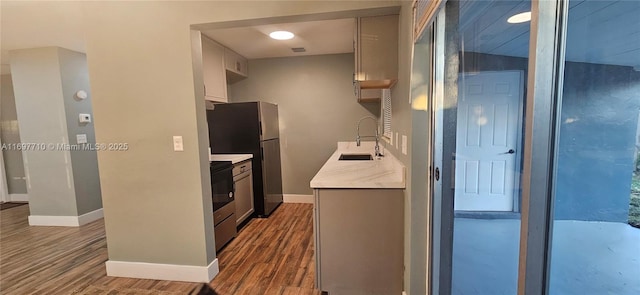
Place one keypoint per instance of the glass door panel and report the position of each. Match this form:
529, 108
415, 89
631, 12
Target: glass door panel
478, 144
595, 245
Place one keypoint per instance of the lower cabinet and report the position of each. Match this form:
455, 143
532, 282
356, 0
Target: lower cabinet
243, 181
359, 236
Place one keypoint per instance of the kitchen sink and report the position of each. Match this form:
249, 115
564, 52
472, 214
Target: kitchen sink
355, 157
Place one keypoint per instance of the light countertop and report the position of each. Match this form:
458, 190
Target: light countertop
386, 172
234, 158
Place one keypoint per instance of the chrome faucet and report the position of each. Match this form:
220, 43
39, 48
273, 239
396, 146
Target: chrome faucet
377, 137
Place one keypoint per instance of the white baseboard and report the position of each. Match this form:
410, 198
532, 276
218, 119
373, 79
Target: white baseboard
18, 198
166, 272
91, 216
291, 198
44, 220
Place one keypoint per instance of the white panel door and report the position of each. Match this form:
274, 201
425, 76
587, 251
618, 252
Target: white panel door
489, 105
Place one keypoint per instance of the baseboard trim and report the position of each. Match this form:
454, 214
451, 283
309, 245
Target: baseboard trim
44, 220
91, 216
291, 198
166, 272
18, 198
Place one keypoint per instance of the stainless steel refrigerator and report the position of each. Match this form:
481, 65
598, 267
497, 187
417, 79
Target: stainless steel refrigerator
251, 128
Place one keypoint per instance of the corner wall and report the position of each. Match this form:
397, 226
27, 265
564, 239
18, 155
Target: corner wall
140, 64
40, 108
62, 178
86, 180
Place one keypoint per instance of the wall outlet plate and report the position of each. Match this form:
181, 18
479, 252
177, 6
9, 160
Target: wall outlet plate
177, 144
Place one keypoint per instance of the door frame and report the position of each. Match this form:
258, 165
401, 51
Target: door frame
4, 189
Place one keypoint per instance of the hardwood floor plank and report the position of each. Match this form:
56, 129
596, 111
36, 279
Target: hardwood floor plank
273, 255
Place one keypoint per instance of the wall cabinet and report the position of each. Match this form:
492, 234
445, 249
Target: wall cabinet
236, 66
376, 55
213, 71
243, 181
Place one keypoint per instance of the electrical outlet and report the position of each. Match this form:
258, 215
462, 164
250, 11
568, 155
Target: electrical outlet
177, 144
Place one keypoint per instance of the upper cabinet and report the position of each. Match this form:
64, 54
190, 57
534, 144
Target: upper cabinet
376, 54
220, 66
236, 66
213, 71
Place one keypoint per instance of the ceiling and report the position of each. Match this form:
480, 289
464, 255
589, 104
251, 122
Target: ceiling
26, 24
603, 32
317, 37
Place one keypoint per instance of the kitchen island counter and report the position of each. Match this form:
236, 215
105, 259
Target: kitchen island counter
383, 172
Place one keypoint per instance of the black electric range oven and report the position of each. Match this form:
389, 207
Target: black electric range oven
222, 190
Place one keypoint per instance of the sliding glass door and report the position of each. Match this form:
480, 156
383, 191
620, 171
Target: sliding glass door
536, 148
595, 235
478, 142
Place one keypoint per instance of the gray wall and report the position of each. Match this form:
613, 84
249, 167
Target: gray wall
401, 123
10, 133
316, 106
151, 194
597, 142
40, 107
421, 160
86, 180
61, 182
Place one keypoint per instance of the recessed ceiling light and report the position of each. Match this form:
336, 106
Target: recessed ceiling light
281, 35
520, 18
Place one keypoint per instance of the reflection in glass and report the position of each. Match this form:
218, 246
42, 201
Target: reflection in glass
594, 248
493, 58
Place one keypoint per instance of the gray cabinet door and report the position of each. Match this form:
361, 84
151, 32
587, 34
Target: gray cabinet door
244, 196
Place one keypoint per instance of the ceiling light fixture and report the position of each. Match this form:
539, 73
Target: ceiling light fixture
520, 18
281, 35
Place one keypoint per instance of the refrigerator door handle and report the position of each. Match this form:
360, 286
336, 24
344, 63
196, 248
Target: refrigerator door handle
262, 154
260, 122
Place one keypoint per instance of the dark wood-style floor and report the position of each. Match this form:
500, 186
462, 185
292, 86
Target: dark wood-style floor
269, 256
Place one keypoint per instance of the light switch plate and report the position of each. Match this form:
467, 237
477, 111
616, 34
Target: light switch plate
81, 138
177, 144
404, 144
